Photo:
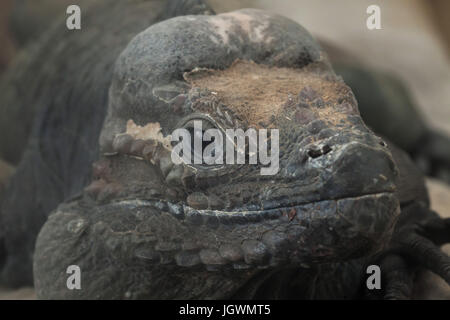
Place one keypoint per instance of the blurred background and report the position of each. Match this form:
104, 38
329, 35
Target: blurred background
413, 45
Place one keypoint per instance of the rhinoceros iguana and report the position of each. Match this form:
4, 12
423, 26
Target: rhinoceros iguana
145, 227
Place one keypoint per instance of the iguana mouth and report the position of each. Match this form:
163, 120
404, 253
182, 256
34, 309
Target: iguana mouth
178, 209
311, 232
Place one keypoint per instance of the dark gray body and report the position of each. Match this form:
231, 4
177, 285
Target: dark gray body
66, 123
57, 162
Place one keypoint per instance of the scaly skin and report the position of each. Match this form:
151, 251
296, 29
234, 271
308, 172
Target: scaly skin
146, 228
155, 224
53, 104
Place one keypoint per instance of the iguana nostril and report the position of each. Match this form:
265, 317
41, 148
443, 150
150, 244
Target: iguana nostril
326, 149
317, 152
314, 153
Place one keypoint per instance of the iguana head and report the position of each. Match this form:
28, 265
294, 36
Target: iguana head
331, 198
332, 195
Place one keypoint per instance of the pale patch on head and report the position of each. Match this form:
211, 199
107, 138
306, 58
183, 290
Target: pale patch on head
151, 131
221, 27
258, 93
227, 23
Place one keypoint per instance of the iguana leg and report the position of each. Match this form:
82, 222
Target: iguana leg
397, 281
426, 253
415, 244
437, 229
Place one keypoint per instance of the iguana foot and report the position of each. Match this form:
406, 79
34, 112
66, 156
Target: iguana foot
415, 245
398, 278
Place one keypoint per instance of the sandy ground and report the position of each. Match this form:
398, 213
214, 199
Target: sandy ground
19, 294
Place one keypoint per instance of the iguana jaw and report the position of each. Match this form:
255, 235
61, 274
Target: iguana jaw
323, 231
163, 244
